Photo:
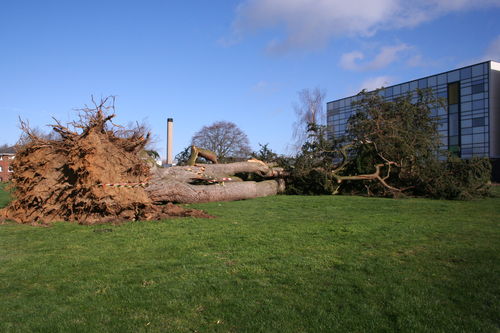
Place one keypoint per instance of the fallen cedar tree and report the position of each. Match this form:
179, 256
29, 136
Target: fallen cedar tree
99, 173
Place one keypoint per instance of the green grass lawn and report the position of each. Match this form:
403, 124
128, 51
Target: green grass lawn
275, 264
4, 196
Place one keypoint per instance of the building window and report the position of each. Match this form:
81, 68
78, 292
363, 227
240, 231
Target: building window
476, 122
1, 169
465, 73
454, 118
477, 88
453, 76
478, 105
422, 83
453, 93
477, 70
453, 123
432, 81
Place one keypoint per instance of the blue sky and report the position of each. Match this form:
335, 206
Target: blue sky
241, 61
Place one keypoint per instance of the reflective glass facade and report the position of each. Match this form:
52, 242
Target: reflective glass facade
465, 124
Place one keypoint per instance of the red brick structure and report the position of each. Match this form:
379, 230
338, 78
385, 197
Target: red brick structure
5, 168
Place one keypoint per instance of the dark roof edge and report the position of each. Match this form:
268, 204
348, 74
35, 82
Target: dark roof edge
7, 150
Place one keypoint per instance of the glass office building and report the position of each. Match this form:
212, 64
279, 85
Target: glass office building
468, 126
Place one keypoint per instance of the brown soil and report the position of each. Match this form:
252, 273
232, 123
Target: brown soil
61, 179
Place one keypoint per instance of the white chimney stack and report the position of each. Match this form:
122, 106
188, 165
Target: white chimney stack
170, 140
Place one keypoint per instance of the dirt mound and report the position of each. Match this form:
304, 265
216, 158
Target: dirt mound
93, 174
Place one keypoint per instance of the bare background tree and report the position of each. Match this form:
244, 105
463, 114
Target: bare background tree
225, 139
28, 133
7, 149
308, 110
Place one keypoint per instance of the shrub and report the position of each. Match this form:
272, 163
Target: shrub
457, 178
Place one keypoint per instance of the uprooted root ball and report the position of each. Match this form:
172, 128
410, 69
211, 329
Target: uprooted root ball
68, 178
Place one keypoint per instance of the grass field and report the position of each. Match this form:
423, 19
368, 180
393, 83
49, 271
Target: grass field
276, 264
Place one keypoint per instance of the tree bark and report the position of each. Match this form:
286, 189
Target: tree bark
179, 184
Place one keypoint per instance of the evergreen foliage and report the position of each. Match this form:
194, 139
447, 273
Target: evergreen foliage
391, 148
182, 157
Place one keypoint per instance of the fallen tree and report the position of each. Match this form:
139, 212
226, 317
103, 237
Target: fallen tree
390, 148
98, 172
213, 182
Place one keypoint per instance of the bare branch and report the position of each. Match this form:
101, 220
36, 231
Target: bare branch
309, 110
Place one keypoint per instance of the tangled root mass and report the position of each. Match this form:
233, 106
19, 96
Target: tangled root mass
64, 178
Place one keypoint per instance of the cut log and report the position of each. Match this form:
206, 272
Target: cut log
179, 192
177, 184
205, 153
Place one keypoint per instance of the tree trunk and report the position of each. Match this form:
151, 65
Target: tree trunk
180, 184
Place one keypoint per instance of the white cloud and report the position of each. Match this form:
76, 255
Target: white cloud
261, 85
229, 41
311, 24
415, 61
386, 56
376, 82
349, 60
264, 86
493, 51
